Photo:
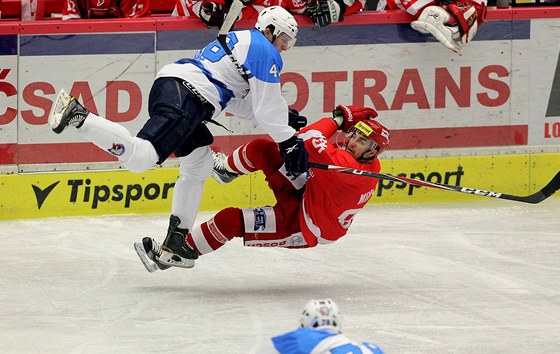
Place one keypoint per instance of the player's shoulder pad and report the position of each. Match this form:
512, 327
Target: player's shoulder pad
263, 59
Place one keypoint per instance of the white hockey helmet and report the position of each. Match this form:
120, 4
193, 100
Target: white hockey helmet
321, 314
281, 21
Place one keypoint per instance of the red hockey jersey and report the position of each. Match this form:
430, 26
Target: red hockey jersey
76, 9
332, 200
251, 11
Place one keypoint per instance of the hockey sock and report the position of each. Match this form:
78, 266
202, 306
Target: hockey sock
194, 170
214, 233
137, 155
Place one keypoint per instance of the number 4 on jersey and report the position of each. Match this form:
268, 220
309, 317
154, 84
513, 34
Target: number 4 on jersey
273, 70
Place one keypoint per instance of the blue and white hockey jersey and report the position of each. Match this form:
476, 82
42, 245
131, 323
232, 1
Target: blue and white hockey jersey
214, 75
313, 341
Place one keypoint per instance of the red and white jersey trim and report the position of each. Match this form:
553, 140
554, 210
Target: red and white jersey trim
315, 230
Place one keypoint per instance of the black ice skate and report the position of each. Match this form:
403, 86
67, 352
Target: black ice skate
220, 173
66, 111
149, 252
175, 250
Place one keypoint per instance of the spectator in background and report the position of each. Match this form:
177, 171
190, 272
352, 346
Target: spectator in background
82, 9
319, 333
213, 13
454, 23
322, 12
325, 12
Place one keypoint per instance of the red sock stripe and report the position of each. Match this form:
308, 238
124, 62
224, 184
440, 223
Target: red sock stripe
239, 161
231, 163
211, 236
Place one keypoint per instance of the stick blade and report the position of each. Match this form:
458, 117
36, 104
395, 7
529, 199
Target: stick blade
550, 188
539, 196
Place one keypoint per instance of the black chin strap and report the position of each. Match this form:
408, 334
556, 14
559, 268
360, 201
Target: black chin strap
362, 158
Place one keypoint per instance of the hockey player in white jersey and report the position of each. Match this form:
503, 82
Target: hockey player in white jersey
184, 97
320, 333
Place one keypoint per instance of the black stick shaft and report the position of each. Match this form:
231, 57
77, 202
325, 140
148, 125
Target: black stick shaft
537, 197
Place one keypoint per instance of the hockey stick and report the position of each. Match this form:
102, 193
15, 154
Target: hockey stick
534, 198
231, 17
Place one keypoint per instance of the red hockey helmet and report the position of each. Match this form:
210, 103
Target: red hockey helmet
374, 130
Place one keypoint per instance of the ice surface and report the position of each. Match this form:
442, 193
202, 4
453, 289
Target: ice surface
471, 277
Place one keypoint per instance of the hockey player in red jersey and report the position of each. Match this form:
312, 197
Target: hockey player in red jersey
81, 9
452, 22
320, 213
322, 12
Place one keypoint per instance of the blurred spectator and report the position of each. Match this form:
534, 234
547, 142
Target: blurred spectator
81, 9
213, 13
28, 10
325, 12
322, 12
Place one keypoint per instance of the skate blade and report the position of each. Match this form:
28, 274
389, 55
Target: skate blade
147, 262
173, 260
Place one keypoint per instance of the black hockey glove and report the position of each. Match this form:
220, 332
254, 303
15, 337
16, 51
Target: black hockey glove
295, 156
325, 12
295, 120
212, 13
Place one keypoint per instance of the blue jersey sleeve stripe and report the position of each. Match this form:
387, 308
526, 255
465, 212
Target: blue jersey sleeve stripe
225, 94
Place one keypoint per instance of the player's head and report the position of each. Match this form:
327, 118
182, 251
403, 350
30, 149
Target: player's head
281, 24
366, 140
321, 314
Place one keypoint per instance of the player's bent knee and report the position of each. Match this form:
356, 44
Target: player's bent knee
230, 221
143, 157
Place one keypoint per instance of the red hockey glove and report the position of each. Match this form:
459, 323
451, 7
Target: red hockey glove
469, 15
352, 115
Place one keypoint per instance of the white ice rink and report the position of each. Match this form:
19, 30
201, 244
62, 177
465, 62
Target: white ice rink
472, 277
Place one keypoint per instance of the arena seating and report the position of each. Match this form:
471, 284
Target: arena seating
52, 9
